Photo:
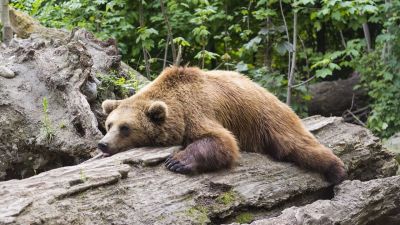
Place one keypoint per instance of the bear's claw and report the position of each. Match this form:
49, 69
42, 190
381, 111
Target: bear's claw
176, 166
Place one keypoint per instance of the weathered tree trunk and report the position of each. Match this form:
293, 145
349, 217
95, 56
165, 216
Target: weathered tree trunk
355, 202
133, 188
5, 19
333, 98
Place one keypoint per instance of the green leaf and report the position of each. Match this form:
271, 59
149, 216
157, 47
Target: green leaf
181, 41
336, 16
262, 13
322, 73
370, 9
387, 76
253, 43
283, 47
242, 67
333, 66
321, 63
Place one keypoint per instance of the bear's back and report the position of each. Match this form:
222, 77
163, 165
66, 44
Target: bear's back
240, 105
244, 108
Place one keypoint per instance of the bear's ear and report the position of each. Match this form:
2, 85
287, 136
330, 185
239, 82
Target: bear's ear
109, 105
157, 111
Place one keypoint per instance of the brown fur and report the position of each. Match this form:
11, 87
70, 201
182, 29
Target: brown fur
214, 114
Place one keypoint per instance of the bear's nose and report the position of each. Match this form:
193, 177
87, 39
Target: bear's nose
103, 146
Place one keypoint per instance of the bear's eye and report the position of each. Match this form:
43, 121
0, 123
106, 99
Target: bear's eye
124, 130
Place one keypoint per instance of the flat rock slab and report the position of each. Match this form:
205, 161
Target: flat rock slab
133, 188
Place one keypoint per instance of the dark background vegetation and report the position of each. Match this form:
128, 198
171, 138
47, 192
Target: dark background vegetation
283, 45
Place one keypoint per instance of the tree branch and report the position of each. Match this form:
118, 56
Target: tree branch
367, 36
146, 58
169, 29
166, 53
304, 82
179, 56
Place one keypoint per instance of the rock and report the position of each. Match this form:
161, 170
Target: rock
63, 73
393, 143
63, 132
60, 67
25, 26
355, 202
133, 187
6, 72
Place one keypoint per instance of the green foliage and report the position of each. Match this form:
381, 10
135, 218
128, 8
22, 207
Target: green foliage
276, 83
380, 71
383, 82
145, 37
325, 66
121, 86
46, 123
254, 37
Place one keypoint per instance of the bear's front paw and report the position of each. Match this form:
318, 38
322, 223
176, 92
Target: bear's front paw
179, 163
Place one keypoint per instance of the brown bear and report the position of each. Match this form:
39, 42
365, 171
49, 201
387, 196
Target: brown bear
213, 115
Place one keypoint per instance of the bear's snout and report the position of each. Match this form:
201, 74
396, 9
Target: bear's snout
103, 147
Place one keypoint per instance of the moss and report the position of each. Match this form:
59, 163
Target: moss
244, 217
63, 125
226, 198
199, 214
160, 218
83, 176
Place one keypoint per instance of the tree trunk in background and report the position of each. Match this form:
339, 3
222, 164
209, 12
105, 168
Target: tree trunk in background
267, 53
293, 65
333, 98
367, 36
170, 35
146, 57
5, 19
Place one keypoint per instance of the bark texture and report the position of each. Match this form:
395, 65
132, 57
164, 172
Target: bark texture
333, 98
134, 188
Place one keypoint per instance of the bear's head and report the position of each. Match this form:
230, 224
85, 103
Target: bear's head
138, 123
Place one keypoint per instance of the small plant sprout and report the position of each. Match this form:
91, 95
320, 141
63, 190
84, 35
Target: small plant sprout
48, 130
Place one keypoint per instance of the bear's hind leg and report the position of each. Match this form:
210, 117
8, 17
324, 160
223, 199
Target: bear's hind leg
214, 149
307, 152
